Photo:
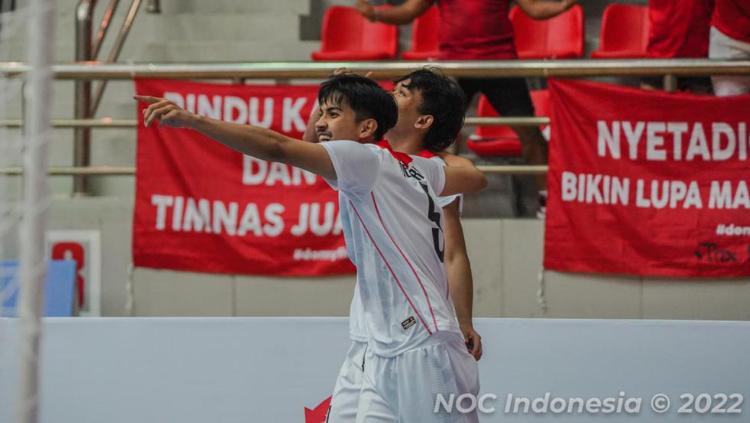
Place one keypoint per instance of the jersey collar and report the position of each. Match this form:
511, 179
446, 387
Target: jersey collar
403, 157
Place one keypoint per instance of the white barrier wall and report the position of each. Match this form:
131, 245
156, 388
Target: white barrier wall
247, 370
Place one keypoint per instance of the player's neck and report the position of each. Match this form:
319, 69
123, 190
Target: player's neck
368, 140
409, 144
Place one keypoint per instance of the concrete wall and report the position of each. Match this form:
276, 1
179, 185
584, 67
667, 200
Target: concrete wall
506, 257
185, 31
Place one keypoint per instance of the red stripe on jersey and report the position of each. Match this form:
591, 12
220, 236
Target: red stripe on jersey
427, 154
398, 282
401, 157
416, 275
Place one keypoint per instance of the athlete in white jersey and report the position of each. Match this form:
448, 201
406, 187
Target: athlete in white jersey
423, 97
415, 346
425, 347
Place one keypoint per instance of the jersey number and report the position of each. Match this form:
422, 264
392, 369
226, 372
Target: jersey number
434, 216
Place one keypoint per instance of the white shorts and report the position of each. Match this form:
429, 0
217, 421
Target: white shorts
723, 47
404, 388
345, 398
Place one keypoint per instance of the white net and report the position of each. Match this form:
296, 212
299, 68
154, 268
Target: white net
23, 202
12, 34
11, 141
13, 23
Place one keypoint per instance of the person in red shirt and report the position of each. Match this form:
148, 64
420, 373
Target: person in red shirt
730, 39
481, 30
679, 29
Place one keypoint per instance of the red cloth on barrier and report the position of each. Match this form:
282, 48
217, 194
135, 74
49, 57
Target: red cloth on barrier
203, 207
647, 183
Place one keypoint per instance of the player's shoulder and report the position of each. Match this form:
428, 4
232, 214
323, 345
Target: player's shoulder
437, 159
352, 146
351, 143
453, 160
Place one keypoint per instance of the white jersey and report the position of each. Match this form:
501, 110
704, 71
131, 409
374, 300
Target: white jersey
393, 229
357, 326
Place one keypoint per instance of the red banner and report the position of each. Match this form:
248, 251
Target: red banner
647, 183
203, 207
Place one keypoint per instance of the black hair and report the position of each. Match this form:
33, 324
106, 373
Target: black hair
365, 97
444, 100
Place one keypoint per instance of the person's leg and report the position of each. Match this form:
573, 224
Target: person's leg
470, 88
510, 97
696, 84
723, 47
429, 377
374, 406
652, 83
346, 393
465, 373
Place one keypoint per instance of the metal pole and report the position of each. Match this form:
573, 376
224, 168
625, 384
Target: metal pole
321, 70
108, 122
68, 171
41, 30
670, 83
76, 123
130, 170
104, 27
82, 106
514, 169
115, 52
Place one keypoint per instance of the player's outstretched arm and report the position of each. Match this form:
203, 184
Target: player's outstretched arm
461, 176
253, 141
396, 15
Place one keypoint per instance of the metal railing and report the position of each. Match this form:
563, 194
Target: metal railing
132, 123
89, 71
385, 70
87, 50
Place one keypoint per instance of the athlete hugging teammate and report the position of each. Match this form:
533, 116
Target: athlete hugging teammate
430, 116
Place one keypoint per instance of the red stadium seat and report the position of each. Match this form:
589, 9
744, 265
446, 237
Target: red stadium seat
346, 35
501, 141
624, 32
424, 37
561, 37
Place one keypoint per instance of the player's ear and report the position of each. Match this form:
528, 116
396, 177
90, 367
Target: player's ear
367, 128
424, 122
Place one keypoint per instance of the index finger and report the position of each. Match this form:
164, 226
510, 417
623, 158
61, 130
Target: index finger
147, 99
